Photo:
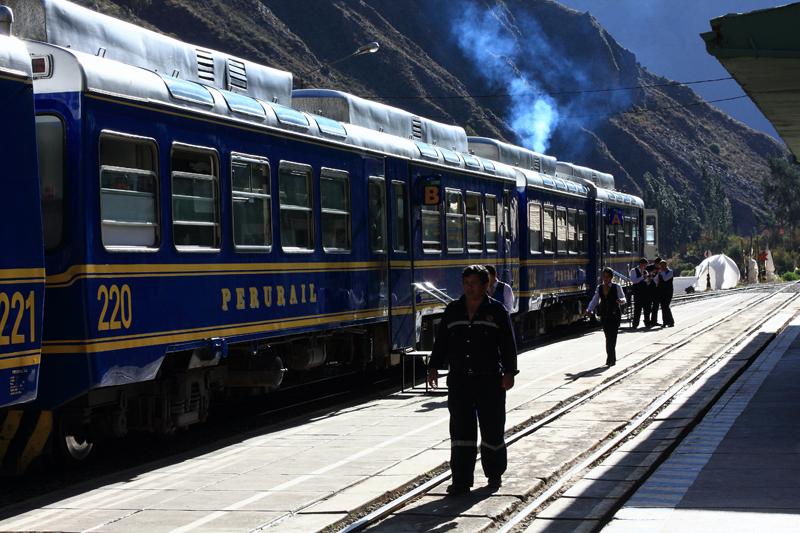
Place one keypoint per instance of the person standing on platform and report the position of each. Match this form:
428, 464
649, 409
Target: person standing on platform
608, 297
476, 341
500, 290
652, 292
638, 277
665, 289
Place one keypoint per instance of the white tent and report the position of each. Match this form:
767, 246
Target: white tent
718, 270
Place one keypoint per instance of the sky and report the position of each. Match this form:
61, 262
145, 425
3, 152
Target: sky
665, 36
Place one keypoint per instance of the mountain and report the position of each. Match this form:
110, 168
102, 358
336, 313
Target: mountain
531, 72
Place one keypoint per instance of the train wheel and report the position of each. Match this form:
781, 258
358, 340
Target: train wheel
76, 449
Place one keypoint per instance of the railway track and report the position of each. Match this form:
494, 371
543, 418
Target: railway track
533, 502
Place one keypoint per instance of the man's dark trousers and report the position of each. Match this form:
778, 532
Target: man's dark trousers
666, 312
641, 302
611, 329
474, 399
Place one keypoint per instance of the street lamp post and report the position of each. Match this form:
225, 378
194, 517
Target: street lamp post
369, 48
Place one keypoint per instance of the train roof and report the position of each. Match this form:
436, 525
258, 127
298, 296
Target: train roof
510, 154
619, 199
571, 171
14, 58
71, 26
534, 179
79, 71
352, 109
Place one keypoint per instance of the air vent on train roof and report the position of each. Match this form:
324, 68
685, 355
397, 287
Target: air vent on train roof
205, 65
416, 128
237, 75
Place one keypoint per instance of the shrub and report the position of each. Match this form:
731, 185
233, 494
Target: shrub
791, 276
689, 272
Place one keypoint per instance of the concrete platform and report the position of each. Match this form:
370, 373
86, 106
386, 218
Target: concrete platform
739, 469
307, 474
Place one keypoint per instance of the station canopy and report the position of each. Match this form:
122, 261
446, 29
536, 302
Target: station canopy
761, 50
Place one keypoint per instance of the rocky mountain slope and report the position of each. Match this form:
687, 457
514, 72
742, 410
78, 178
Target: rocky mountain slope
525, 71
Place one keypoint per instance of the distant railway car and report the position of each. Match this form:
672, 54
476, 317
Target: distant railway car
205, 228
21, 262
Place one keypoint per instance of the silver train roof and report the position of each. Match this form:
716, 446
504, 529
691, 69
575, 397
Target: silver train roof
14, 58
571, 171
71, 26
352, 109
510, 154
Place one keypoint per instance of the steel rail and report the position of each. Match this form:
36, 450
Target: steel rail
400, 502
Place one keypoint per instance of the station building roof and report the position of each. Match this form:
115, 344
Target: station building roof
761, 50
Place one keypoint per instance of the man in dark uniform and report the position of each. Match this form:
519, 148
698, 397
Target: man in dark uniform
652, 293
607, 298
476, 341
665, 289
641, 303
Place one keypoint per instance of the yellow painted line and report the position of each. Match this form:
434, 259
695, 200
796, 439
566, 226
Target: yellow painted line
554, 261
34, 351
554, 291
404, 310
216, 327
18, 362
37, 440
10, 427
120, 343
163, 270
22, 273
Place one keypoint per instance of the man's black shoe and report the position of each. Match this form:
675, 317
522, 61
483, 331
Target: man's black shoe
611, 362
495, 482
457, 490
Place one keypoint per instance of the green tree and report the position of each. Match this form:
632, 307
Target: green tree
782, 193
716, 208
678, 219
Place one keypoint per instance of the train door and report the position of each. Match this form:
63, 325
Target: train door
400, 256
378, 250
509, 266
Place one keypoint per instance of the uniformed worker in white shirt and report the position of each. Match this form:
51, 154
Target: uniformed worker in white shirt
608, 297
499, 290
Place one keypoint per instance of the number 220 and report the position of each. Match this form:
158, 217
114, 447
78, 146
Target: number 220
119, 301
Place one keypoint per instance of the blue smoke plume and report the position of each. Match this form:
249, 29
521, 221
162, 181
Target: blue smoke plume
483, 36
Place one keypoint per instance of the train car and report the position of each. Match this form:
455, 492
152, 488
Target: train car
461, 211
21, 263
205, 228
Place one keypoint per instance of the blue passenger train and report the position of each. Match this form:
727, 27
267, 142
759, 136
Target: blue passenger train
205, 228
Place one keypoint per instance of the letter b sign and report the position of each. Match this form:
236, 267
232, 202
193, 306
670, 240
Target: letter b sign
431, 195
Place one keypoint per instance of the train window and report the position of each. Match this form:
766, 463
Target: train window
491, 223
50, 144
334, 191
296, 205
628, 235
572, 231
377, 214
650, 230
583, 242
195, 209
239, 103
611, 239
621, 238
548, 228
507, 228
128, 191
454, 221
400, 226
635, 236
535, 227
474, 222
431, 218
561, 229
188, 90
252, 203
